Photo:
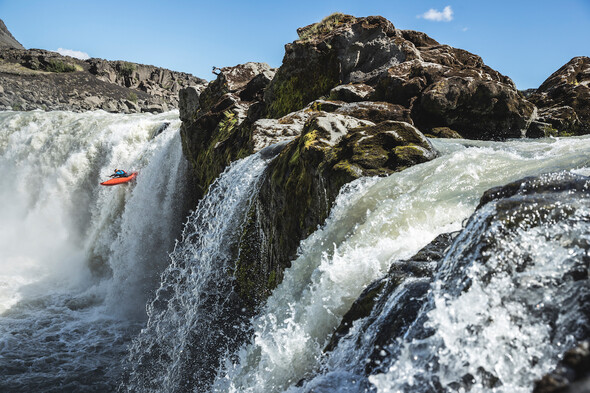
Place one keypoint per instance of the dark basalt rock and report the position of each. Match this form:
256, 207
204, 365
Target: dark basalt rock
564, 98
361, 59
303, 182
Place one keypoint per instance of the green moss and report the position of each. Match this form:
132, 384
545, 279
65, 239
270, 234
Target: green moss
132, 96
61, 66
126, 68
296, 85
325, 26
409, 155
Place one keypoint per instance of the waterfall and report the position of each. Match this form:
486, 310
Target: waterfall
77, 260
80, 262
374, 223
195, 316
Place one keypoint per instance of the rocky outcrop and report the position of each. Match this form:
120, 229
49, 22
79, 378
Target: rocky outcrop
39, 79
6, 39
396, 307
351, 99
368, 59
217, 128
564, 100
303, 182
328, 144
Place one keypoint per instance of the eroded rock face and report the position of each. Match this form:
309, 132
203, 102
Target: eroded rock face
39, 79
564, 98
217, 128
367, 59
303, 182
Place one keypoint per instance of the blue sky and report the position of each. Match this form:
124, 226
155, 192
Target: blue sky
524, 39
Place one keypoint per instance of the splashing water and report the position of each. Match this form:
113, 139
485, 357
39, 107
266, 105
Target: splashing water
195, 314
77, 260
374, 223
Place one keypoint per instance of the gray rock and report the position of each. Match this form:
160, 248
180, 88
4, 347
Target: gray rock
352, 92
6, 39
239, 76
93, 101
189, 103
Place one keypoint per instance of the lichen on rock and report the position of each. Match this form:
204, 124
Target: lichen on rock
303, 181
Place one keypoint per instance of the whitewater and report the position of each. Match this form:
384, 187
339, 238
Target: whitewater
96, 293
78, 261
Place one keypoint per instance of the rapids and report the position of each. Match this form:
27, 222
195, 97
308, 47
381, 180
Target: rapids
78, 261
374, 223
96, 294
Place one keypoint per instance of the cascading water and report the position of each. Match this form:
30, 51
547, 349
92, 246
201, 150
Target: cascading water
78, 260
195, 316
374, 223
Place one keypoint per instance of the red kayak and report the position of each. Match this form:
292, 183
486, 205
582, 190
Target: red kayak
119, 180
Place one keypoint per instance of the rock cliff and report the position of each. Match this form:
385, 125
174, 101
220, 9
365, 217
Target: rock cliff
353, 97
40, 79
564, 99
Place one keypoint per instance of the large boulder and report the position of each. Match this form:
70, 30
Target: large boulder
368, 59
303, 182
564, 98
340, 49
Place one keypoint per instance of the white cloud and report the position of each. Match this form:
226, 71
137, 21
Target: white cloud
73, 53
437, 16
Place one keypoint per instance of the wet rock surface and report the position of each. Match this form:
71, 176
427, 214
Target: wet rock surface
303, 182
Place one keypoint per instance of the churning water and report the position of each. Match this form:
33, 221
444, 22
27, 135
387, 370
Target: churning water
80, 262
77, 260
374, 223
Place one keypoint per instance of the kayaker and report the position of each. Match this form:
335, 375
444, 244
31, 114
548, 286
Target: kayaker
119, 173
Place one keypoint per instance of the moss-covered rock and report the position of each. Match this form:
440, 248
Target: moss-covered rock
216, 129
303, 182
340, 50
